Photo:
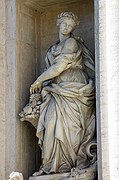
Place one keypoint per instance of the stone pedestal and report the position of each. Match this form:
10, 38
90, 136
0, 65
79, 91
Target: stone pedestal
66, 176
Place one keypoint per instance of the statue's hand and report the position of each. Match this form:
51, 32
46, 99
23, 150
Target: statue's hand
35, 87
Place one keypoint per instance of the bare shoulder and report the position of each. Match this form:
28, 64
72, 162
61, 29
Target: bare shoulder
70, 46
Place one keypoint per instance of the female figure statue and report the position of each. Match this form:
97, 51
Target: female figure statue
67, 120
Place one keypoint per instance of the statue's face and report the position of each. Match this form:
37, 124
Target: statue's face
67, 26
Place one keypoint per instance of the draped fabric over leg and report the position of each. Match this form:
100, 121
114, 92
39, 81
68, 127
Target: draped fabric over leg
66, 125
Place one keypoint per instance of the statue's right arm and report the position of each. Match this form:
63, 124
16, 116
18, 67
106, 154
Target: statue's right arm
53, 71
70, 47
61, 63
50, 73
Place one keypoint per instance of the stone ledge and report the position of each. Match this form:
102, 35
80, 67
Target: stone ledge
65, 176
62, 176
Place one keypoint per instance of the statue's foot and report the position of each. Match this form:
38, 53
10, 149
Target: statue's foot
39, 173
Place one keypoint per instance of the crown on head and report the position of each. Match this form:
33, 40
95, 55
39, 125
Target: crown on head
67, 15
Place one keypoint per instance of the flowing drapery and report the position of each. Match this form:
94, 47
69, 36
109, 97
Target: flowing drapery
67, 118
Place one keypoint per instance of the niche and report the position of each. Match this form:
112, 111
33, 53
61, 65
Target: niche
37, 31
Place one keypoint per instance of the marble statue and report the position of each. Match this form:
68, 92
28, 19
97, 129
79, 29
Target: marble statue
63, 102
16, 176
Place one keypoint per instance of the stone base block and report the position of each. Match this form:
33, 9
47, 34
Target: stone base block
84, 174
62, 176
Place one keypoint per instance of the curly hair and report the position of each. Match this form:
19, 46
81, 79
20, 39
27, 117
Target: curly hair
64, 15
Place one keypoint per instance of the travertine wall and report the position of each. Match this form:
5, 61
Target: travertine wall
26, 142
107, 81
101, 89
17, 72
2, 88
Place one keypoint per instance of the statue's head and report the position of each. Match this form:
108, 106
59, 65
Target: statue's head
67, 21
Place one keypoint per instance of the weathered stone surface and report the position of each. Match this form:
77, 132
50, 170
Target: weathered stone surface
112, 58
46, 4
63, 176
101, 76
3, 89
107, 78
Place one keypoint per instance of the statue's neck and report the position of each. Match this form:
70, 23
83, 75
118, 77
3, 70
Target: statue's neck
63, 37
